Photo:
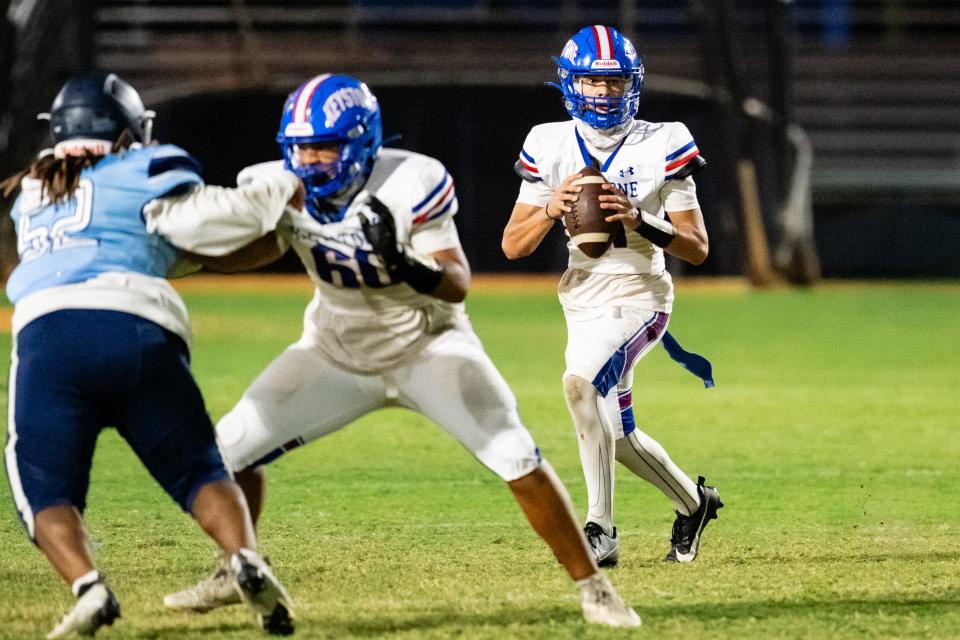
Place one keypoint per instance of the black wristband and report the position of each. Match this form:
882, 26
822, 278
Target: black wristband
423, 277
657, 230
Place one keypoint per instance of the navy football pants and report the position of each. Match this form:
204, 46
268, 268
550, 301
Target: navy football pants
74, 372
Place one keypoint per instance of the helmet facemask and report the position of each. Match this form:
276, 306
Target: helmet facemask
322, 179
606, 111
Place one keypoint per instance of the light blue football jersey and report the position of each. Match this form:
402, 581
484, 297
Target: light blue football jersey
100, 228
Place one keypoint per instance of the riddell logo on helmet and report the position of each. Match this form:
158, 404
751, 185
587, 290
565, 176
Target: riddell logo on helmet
295, 129
604, 64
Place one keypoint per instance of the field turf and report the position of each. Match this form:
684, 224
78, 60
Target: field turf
832, 436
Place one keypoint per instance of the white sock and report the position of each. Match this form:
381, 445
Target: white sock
645, 457
88, 578
585, 582
592, 581
597, 451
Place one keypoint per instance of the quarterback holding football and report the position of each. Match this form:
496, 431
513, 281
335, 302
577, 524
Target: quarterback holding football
616, 293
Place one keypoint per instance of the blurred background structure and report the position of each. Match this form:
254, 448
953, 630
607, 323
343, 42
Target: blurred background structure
831, 126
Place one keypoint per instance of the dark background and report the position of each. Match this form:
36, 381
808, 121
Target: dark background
874, 84
476, 132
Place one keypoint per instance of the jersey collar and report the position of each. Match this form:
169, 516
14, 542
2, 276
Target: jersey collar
589, 160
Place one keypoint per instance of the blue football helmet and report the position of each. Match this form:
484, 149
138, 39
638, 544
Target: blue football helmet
599, 51
331, 108
97, 107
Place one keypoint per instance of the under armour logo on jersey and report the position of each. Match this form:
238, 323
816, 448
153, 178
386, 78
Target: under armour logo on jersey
626, 172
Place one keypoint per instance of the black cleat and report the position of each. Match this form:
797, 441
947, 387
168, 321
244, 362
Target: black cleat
687, 529
279, 622
264, 594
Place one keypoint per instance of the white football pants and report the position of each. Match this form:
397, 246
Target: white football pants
602, 348
302, 396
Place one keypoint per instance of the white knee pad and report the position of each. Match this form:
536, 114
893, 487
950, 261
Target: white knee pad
586, 407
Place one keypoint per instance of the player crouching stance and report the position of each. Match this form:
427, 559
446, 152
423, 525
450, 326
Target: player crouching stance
386, 326
616, 306
101, 338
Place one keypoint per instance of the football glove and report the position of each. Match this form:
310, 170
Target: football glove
423, 274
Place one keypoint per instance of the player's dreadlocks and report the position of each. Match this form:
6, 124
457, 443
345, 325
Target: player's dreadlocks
60, 177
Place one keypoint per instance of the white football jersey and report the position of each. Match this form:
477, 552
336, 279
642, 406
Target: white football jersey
643, 167
358, 317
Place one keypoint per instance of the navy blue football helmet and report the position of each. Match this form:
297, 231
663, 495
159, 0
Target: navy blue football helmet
599, 51
331, 108
94, 108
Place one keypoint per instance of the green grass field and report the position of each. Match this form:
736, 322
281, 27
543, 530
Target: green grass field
832, 436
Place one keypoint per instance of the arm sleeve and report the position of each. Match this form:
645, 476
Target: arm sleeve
284, 226
678, 194
533, 190
537, 194
215, 221
435, 238
171, 171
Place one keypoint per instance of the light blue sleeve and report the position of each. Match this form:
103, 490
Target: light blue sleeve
170, 170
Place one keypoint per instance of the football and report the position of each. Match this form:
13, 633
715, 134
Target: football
585, 222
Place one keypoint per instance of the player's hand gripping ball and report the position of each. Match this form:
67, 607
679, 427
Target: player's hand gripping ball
585, 222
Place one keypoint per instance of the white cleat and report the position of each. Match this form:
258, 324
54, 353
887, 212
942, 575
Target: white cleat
216, 590
603, 605
96, 606
605, 548
263, 593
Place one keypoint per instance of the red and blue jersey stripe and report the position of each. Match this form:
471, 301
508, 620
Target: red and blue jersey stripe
679, 159
437, 202
529, 163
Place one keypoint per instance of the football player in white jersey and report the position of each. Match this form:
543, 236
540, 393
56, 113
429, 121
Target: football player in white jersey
616, 306
101, 338
386, 327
